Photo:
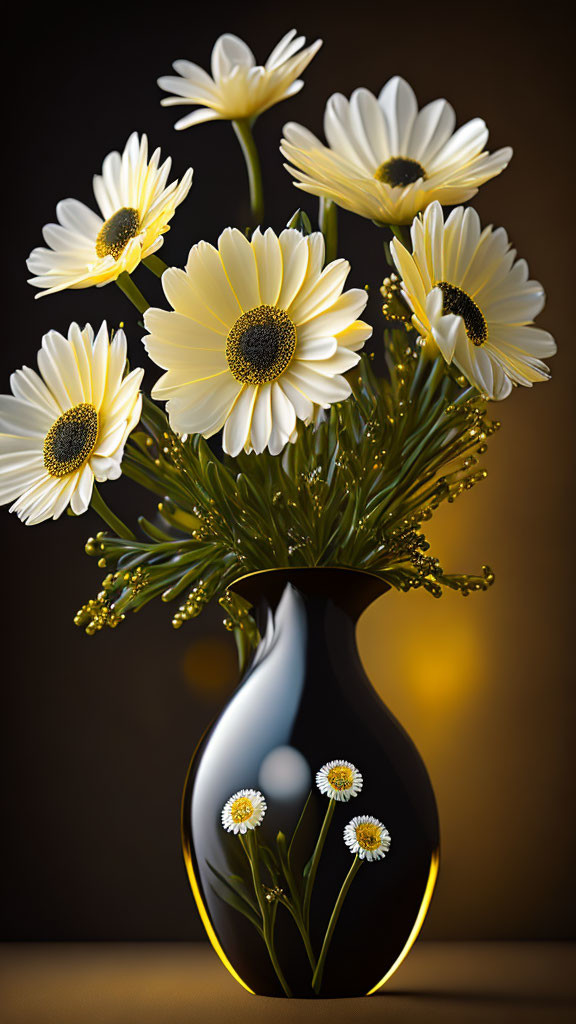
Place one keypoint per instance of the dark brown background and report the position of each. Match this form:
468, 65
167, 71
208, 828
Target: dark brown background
97, 733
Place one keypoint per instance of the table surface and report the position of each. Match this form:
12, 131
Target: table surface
179, 983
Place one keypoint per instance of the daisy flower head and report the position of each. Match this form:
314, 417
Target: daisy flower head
386, 160
66, 426
238, 88
136, 206
244, 810
367, 837
472, 299
259, 336
339, 780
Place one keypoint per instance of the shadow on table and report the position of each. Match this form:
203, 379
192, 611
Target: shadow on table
504, 998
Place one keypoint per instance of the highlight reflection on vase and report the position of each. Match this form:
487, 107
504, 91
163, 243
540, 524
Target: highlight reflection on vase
310, 828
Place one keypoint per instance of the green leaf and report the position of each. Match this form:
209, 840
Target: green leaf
232, 899
301, 222
298, 825
237, 885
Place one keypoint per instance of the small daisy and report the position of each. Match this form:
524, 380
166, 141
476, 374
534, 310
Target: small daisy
473, 300
386, 160
258, 337
339, 780
367, 837
238, 88
66, 426
245, 810
136, 206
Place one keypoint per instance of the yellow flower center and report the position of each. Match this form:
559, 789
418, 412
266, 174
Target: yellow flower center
241, 810
261, 345
340, 777
400, 171
117, 231
368, 835
457, 301
71, 440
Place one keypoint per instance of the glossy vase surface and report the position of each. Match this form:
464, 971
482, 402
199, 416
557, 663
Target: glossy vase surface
304, 701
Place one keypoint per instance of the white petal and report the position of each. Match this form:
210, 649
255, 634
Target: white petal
199, 116
239, 264
202, 407
268, 264
229, 51
83, 493
22, 419
295, 256
318, 388
431, 130
237, 427
317, 295
316, 348
261, 426
27, 385
399, 105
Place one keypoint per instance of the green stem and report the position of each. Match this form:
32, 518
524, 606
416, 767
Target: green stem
126, 285
315, 861
295, 906
402, 233
329, 227
302, 929
317, 979
299, 823
155, 264
243, 649
243, 130
111, 520
250, 848
306, 939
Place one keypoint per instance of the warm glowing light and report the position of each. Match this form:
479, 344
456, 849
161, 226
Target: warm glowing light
209, 666
204, 916
445, 663
434, 864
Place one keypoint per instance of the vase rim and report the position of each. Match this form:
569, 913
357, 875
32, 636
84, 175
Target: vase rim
297, 569
307, 578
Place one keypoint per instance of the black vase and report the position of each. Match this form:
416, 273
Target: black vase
304, 702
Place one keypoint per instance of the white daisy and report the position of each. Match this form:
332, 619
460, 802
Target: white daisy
339, 780
473, 299
66, 426
238, 88
386, 160
259, 337
367, 837
245, 810
136, 205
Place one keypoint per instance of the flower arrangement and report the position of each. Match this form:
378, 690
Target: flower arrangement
365, 836
316, 459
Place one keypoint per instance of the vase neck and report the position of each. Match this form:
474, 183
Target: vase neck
350, 591
307, 620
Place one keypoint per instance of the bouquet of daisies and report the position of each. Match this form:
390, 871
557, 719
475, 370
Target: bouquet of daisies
316, 459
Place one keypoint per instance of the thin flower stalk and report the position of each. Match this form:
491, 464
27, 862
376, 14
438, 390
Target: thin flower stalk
243, 130
319, 972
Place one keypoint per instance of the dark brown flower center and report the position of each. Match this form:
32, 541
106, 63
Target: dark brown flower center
71, 440
117, 232
261, 345
400, 171
458, 302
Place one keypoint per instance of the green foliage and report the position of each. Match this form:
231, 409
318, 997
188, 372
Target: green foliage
353, 490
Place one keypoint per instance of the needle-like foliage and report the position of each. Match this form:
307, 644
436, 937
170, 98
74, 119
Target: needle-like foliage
353, 490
